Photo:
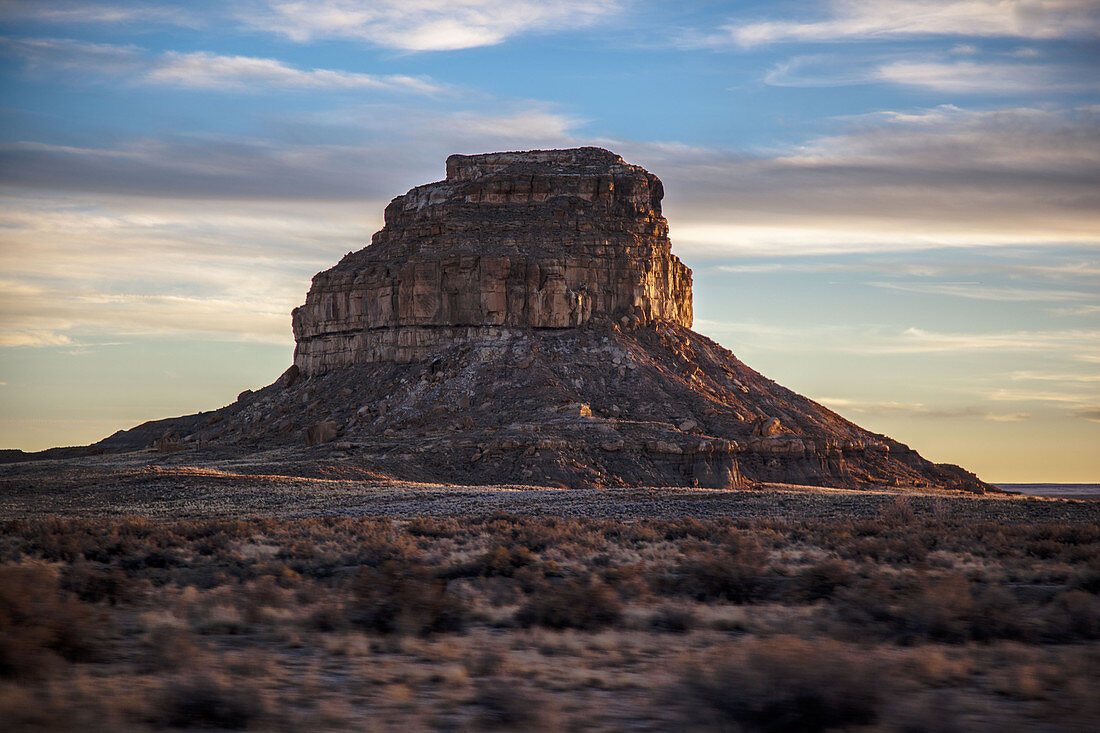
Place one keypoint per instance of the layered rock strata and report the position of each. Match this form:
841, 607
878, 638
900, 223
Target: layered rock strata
507, 242
524, 321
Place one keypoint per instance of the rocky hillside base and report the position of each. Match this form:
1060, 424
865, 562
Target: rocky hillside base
603, 405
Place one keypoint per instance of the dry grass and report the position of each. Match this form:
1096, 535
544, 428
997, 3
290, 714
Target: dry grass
518, 622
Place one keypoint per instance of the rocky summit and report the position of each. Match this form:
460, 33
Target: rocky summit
524, 321
509, 242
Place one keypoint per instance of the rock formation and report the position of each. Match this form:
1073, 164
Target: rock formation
508, 242
525, 321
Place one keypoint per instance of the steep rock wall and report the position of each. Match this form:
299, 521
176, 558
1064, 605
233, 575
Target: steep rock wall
509, 241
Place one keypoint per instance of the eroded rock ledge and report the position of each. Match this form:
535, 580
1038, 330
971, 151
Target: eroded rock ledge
508, 241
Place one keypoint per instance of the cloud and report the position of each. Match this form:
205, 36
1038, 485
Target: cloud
893, 180
216, 237
197, 70
408, 25
917, 341
65, 55
83, 12
917, 409
1084, 310
32, 337
377, 152
1092, 415
191, 167
930, 72
210, 71
1049, 396
971, 77
422, 25
872, 339
90, 270
886, 19
1002, 264
1039, 376
978, 291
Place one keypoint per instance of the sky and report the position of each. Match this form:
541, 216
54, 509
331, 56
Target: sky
890, 206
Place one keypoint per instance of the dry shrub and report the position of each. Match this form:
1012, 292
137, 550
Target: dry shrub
431, 527
821, 580
484, 663
170, 648
499, 561
1073, 615
94, 584
378, 542
404, 598
673, 619
947, 609
210, 701
76, 701
509, 705
678, 529
572, 604
735, 573
39, 622
785, 684
898, 513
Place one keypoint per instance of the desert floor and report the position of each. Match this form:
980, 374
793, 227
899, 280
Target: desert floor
139, 592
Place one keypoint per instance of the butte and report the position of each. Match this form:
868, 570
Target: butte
524, 321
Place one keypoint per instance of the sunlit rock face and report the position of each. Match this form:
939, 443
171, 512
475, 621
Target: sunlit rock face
546, 239
525, 322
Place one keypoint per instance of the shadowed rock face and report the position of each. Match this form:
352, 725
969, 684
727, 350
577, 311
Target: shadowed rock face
509, 241
524, 321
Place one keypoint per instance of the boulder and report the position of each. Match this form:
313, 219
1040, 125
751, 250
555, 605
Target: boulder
289, 377
322, 432
766, 426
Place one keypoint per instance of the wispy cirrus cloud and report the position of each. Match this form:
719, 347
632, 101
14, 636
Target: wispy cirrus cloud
89, 270
87, 11
943, 177
1042, 265
878, 339
1057, 397
210, 71
407, 25
421, 25
1092, 415
896, 180
371, 160
979, 291
929, 72
193, 70
1083, 310
921, 341
842, 20
982, 77
917, 409
1055, 377
165, 236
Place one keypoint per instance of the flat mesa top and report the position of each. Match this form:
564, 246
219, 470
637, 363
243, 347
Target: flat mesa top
570, 160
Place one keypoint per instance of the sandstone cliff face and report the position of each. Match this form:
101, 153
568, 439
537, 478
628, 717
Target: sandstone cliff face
508, 242
524, 321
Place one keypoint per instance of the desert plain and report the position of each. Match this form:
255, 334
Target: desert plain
144, 591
